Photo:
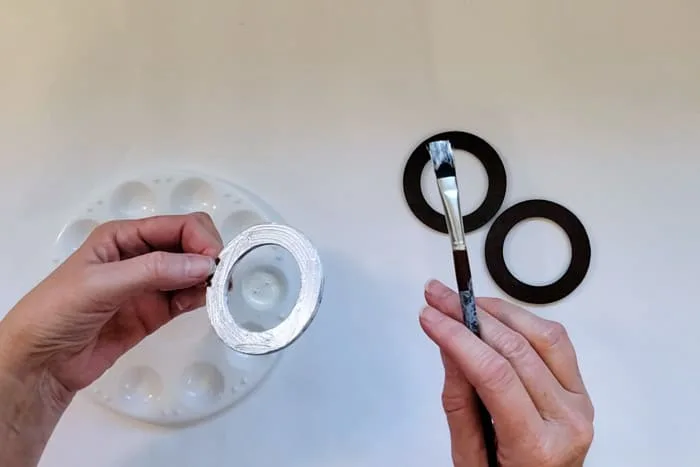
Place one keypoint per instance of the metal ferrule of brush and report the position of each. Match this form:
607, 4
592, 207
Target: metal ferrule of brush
449, 193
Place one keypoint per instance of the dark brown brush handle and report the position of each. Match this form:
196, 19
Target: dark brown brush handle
466, 291
468, 304
489, 435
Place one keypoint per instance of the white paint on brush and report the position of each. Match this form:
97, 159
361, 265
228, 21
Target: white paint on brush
441, 153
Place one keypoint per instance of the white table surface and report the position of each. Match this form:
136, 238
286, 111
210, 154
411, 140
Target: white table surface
315, 105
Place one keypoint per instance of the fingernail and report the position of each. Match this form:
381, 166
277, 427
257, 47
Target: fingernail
430, 315
199, 266
436, 288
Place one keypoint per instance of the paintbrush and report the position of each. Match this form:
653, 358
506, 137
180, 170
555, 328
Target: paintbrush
443, 162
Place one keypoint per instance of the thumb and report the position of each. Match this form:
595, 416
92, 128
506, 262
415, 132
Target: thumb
157, 271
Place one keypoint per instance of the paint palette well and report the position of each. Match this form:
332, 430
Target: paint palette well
183, 373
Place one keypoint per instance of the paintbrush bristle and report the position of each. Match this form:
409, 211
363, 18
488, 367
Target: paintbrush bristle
443, 160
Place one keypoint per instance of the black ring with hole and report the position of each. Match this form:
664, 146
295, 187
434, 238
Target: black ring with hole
580, 252
480, 149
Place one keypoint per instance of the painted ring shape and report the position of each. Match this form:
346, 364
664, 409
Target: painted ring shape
304, 310
580, 251
477, 147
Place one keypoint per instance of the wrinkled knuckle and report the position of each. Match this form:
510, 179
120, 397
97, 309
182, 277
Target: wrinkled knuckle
514, 346
452, 403
102, 231
582, 431
497, 374
158, 264
105, 254
554, 334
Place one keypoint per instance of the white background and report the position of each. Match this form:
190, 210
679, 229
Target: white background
315, 105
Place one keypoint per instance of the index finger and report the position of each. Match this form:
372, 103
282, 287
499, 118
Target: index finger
493, 377
187, 233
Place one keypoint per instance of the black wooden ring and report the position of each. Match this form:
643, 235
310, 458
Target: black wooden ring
580, 252
480, 149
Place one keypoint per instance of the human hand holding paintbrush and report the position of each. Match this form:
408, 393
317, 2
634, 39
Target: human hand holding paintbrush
516, 397
443, 162
524, 369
